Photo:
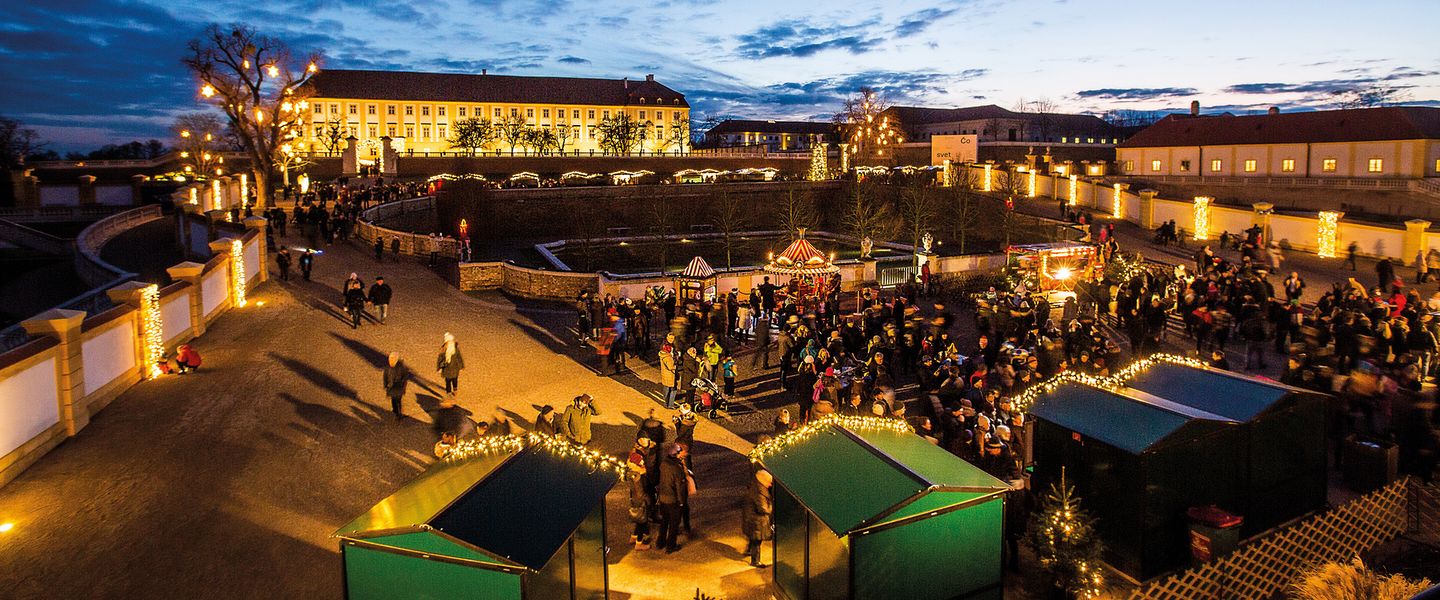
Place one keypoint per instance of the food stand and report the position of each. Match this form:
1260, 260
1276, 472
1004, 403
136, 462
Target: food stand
1053, 269
697, 282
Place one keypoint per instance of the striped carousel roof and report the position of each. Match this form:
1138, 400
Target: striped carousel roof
801, 258
698, 269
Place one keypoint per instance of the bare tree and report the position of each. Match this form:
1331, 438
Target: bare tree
332, 135
473, 133
260, 87
797, 211
1008, 185
541, 139
513, 131
663, 218
1373, 96
564, 134
17, 142
729, 220
868, 215
618, 134
919, 208
1042, 116
198, 138
963, 202
677, 136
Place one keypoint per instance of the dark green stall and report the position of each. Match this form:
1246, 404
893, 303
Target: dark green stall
1137, 462
879, 514
509, 525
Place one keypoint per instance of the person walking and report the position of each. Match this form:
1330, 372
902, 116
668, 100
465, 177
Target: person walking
449, 363
1385, 274
379, 295
395, 378
640, 501
671, 495
759, 507
575, 422
1350, 252
761, 358
307, 262
282, 261
395, 247
354, 301
379, 249
1422, 269
668, 373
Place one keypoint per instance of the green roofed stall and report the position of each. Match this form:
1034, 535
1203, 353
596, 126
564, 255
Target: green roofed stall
509, 525
875, 513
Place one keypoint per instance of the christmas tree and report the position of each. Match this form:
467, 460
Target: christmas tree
1064, 539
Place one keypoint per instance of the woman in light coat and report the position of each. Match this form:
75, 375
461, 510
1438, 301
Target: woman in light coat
449, 363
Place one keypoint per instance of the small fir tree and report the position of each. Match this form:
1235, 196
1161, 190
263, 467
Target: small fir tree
1064, 538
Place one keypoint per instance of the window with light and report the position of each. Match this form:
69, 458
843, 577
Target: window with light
1377, 165
1215, 165
1250, 164
1287, 165
1155, 165
1328, 165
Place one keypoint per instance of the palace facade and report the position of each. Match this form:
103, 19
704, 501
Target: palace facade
419, 111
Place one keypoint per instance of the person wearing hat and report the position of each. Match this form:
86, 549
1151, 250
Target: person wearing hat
449, 363
575, 421
671, 495
395, 376
759, 507
545, 420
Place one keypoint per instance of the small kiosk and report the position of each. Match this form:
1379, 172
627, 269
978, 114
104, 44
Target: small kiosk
1053, 269
516, 520
867, 509
697, 282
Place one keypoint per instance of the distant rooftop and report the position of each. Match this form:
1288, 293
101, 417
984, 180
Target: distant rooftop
470, 87
1347, 125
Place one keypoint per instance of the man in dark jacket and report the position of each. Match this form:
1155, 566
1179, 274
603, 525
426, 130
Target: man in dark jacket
307, 262
671, 495
396, 377
380, 296
354, 302
759, 506
282, 260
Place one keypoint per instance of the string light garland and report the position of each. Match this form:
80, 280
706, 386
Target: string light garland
1114, 382
1202, 217
217, 203
1074, 190
1066, 543
1327, 237
559, 446
817, 163
813, 428
194, 196
237, 269
1031, 191
987, 185
152, 330
1117, 209
244, 189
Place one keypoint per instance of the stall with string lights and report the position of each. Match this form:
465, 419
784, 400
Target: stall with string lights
697, 283
865, 508
1052, 269
504, 518
808, 268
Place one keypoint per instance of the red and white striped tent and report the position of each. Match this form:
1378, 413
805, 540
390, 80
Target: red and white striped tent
697, 281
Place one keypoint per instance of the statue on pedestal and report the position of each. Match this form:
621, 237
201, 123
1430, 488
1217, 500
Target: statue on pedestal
926, 242
866, 246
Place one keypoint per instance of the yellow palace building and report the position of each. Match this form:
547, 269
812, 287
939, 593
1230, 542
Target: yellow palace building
418, 111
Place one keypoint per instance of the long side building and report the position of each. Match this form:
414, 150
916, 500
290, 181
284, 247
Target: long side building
420, 109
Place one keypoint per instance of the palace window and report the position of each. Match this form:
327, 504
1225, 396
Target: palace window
1437, 165
676, 114
1215, 165
545, 112
319, 131
425, 133
1129, 166
390, 131
529, 113
1184, 166
319, 109
514, 112
1328, 165
409, 131
440, 111
425, 111
371, 130
590, 114
642, 115
462, 111
409, 111
1287, 165
369, 109
497, 111
1250, 165
442, 132
1377, 165
1155, 165
390, 109
334, 109
575, 114
354, 110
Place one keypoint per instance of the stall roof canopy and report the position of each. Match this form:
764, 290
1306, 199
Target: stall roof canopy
855, 478
1229, 395
1129, 419
517, 508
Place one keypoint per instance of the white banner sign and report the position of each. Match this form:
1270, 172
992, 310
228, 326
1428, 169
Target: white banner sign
954, 148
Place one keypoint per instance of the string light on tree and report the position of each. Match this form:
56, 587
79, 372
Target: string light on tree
152, 330
1031, 191
987, 185
1327, 235
1202, 217
1066, 544
237, 269
216, 203
818, 167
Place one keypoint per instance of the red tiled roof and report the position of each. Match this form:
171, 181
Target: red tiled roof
464, 87
1351, 125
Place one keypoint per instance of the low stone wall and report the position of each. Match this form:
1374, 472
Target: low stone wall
88, 265
525, 282
411, 244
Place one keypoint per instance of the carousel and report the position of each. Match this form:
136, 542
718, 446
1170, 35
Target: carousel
812, 275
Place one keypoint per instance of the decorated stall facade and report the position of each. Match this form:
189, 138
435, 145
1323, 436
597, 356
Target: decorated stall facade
507, 518
1052, 269
809, 270
697, 282
866, 509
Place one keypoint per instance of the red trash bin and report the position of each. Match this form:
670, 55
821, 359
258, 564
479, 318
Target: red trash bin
1214, 532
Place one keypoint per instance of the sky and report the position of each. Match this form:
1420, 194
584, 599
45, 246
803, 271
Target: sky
84, 73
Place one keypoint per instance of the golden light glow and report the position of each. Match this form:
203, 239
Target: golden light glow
272, 71
1120, 379
237, 270
1074, 190
207, 91
312, 68
244, 188
185, 133
818, 165
152, 330
1117, 209
6, 527
194, 196
471, 448
259, 116
216, 203
987, 184
1326, 236
1031, 192
1202, 217
1064, 273
813, 428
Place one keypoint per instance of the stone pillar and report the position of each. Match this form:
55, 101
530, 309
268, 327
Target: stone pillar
258, 224
29, 195
223, 182
1261, 217
190, 272
388, 157
1147, 208
1417, 238
87, 190
137, 187
127, 293
349, 159
64, 327
868, 274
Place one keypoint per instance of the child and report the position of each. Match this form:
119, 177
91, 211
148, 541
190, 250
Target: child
727, 369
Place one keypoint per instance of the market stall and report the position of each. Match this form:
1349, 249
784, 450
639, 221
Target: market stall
1053, 269
512, 519
697, 282
865, 508
812, 275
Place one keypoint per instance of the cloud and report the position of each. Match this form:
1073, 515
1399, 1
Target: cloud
1130, 94
1330, 86
918, 21
802, 99
574, 60
796, 38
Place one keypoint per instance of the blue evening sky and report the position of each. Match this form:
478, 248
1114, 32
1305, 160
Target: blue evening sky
90, 72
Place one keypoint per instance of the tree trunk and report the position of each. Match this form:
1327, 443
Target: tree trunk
262, 188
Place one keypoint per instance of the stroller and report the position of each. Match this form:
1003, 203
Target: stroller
709, 398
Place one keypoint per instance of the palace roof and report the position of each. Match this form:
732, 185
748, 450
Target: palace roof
486, 88
1349, 125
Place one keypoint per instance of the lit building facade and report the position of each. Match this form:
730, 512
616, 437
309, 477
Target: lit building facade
992, 124
775, 136
1391, 142
419, 111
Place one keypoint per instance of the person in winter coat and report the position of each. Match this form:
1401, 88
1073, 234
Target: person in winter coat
449, 363
759, 506
379, 295
668, 374
307, 262
282, 260
545, 421
671, 496
395, 377
575, 422
354, 301
186, 359
689, 370
640, 501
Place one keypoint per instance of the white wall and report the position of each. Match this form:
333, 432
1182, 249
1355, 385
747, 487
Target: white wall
114, 195
175, 315
214, 290
1372, 240
108, 356
29, 404
251, 256
59, 195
